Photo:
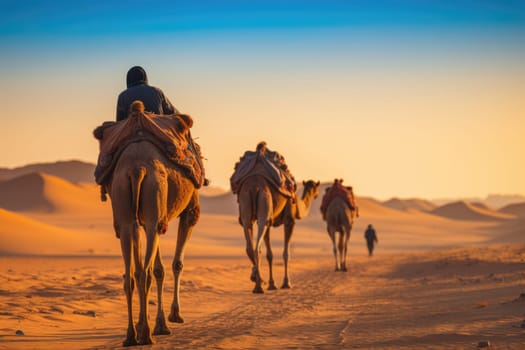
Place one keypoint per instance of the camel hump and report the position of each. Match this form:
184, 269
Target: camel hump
136, 108
261, 147
186, 119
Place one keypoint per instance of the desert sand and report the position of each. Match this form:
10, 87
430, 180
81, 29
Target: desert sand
442, 277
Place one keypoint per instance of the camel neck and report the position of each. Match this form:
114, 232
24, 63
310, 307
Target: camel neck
303, 205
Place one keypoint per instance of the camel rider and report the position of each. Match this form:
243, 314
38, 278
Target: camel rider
138, 89
153, 99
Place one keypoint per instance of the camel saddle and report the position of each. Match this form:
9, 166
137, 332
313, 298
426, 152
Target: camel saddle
274, 169
338, 190
169, 133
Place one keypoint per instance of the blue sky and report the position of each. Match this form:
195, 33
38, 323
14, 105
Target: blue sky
92, 18
437, 84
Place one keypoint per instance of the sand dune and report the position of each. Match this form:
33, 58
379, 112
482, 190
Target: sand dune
66, 210
481, 205
462, 210
226, 204
223, 204
20, 234
512, 231
25, 193
517, 209
211, 191
72, 171
61, 284
407, 204
37, 192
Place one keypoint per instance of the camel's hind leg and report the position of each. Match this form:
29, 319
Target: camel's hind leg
161, 328
250, 250
188, 219
264, 208
333, 236
269, 257
261, 233
156, 223
344, 249
341, 250
128, 246
144, 272
245, 219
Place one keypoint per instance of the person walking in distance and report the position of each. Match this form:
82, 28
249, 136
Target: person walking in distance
371, 239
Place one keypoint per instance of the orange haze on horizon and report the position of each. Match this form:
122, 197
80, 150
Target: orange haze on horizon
401, 118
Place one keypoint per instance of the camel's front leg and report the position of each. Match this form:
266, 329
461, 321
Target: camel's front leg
188, 219
127, 246
161, 328
288, 231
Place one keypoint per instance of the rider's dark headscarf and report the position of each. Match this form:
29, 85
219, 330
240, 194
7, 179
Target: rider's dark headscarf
136, 76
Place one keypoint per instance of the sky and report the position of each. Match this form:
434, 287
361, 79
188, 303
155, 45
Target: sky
398, 98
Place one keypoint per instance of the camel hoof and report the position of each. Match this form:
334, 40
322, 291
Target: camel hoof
272, 286
138, 327
146, 341
130, 342
161, 329
175, 318
286, 286
258, 290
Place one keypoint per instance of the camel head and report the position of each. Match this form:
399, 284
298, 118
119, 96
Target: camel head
311, 189
310, 192
338, 181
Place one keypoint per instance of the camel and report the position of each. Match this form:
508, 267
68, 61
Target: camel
147, 191
339, 218
261, 201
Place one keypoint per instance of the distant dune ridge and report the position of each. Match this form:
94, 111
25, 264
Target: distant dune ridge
496, 201
57, 216
79, 171
462, 210
517, 209
25, 193
480, 205
412, 203
38, 192
71, 170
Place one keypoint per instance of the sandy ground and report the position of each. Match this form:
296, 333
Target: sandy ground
446, 279
442, 299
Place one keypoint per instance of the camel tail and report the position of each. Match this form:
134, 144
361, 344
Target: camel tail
137, 177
